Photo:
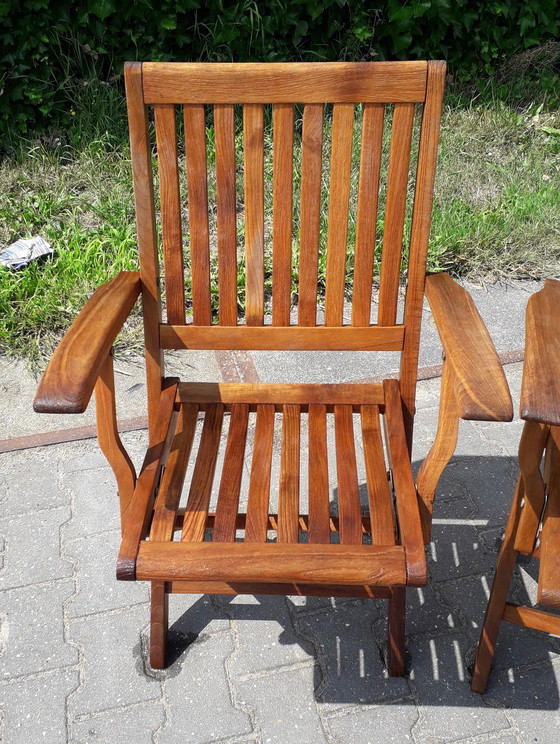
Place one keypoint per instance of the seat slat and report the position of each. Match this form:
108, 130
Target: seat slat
166, 139
347, 476
273, 562
253, 155
379, 494
397, 182
339, 195
288, 496
259, 484
549, 569
368, 192
169, 493
319, 505
282, 199
195, 149
224, 124
310, 212
198, 501
230, 484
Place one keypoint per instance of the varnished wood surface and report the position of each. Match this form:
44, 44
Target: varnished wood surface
282, 204
540, 389
70, 377
374, 338
272, 562
548, 589
480, 383
284, 589
280, 394
300, 82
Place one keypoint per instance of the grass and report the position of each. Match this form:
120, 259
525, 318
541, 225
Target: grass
496, 208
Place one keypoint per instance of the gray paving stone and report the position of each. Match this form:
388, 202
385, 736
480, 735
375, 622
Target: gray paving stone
83, 455
32, 483
198, 700
283, 706
448, 709
265, 635
350, 669
370, 724
427, 611
33, 629
32, 548
35, 708
97, 587
456, 550
137, 724
113, 671
95, 503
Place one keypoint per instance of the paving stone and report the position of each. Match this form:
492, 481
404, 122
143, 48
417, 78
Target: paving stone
32, 548
35, 708
32, 483
95, 503
301, 604
351, 669
33, 629
192, 617
83, 455
426, 611
136, 725
265, 633
455, 550
113, 671
198, 700
371, 724
448, 708
283, 706
97, 587
532, 699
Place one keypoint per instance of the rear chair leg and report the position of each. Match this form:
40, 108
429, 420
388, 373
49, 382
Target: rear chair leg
159, 614
395, 631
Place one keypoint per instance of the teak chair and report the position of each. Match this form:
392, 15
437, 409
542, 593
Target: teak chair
339, 550
533, 526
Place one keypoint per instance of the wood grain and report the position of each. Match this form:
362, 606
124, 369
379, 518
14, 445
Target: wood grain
347, 477
379, 494
288, 496
170, 204
224, 123
259, 484
540, 389
253, 157
305, 82
480, 383
197, 181
318, 469
282, 203
374, 338
72, 372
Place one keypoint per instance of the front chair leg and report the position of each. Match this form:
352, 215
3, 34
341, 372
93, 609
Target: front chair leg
395, 631
159, 617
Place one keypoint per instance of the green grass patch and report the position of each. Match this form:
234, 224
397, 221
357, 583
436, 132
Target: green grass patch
496, 207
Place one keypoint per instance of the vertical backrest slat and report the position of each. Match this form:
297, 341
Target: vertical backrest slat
368, 192
339, 188
310, 212
195, 150
397, 181
420, 232
253, 156
224, 128
166, 140
282, 201
147, 236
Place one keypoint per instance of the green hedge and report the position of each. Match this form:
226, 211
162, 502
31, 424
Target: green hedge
45, 47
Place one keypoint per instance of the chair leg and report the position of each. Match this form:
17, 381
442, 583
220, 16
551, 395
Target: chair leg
395, 631
497, 599
158, 624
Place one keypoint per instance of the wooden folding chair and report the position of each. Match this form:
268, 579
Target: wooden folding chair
533, 526
339, 547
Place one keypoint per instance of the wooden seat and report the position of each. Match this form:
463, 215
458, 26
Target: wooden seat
533, 527
236, 492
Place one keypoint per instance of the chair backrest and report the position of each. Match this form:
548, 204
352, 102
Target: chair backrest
311, 221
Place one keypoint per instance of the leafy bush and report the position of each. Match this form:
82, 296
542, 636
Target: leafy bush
46, 47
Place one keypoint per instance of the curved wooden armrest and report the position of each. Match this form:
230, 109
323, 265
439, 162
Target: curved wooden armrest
540, 389
70, 377
480, 384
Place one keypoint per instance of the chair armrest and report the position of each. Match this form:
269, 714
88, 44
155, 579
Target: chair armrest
70, 377
540, 389
480, 384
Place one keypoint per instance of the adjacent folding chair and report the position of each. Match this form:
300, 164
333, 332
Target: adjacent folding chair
290, 534
533, 527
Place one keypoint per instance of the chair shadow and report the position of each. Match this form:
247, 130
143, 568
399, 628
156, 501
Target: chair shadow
346, 637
